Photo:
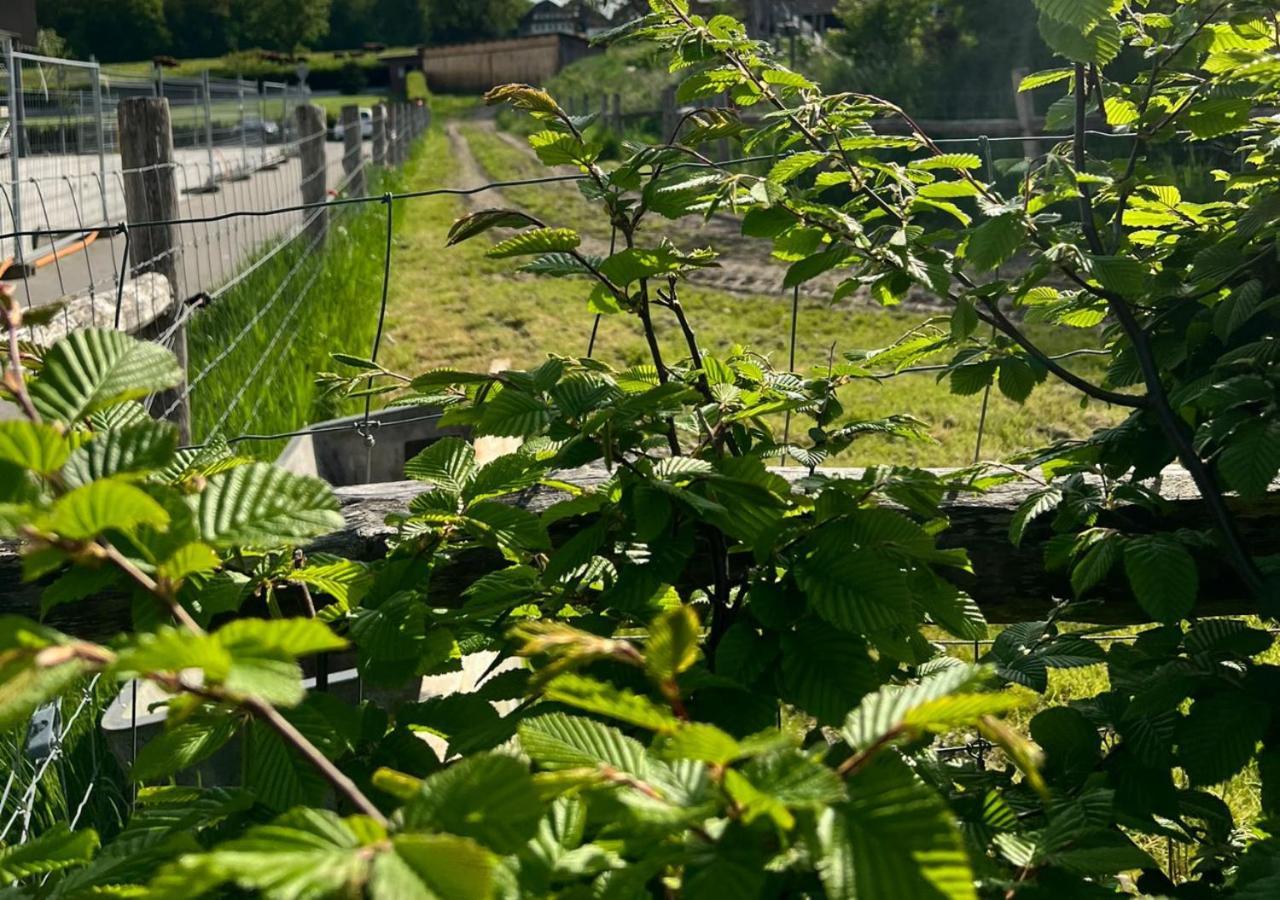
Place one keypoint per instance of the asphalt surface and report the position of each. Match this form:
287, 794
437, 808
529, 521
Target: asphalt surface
54, 196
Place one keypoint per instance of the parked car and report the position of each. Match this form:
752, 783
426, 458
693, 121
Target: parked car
366, 125
5, 143
256, 130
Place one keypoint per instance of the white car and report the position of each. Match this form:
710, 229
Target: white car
366, 125
5, 143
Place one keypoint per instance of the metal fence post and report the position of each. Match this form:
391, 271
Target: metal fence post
668, 112
311, 155
393, 158
380, 134
96, 80
352, 143
15, 144
244, 137
151, 195
1026, 114
208, 123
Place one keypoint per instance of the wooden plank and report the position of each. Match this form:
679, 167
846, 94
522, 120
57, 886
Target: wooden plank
1009, 583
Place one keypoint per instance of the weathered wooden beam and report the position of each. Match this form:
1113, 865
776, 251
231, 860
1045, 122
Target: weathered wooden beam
1009, 583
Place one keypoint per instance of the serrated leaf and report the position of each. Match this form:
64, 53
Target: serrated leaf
261, 505
480, 222
948, 161
57, 848
448, 463
791, 167
447, 866
993, 242
489, 798
1044, 78
32, 445
101, 506
824, 671
130, 450
1219, 736
513, 413
1081, 13
560, 741
182, 747
894, 839
937, 704
672, 646
94, 368
605, 699
1163, 576
536, 240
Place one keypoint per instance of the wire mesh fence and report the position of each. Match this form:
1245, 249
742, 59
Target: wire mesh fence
224, 238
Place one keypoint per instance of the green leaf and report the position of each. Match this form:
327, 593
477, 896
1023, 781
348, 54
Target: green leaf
94, 368
894, 839
1163, 576
937, 704
1083, 14
559, 148
1016, 379
489, 798
133, 449
1220, 735
812, 266
993, 242
506, 527
1046, 77
859, 590
513, 413
57, 848
948, 161
536, 240
1251, 458
182, 747
261, 505
447, 866
448, 464
1037, 504
1072, 745
1099, 44
86, 512
480, 222
824, 672
790, 167
604, 699
303, 853
27, 678
673, 643
35, 446
560, 741
1123, 275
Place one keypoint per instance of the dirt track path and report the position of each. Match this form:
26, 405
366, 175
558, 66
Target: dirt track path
745, 265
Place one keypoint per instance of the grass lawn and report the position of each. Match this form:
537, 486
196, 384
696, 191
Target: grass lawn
453, 307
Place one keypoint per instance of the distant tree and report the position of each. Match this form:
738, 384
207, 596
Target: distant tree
350, 24
282, 24
200, 27
114, 31
50, 43
939, 57
400, 21
455, 21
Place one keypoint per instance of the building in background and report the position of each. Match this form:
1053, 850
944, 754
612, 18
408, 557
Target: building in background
474, 68
574, 17
18, 20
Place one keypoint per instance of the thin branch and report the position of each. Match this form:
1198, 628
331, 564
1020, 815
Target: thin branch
13, 377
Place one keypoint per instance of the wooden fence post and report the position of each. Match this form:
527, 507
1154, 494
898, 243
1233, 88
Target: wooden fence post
380, 134
352, 146
1026, 114
311, 155
151, 195
617, 112
668, 112
393, 134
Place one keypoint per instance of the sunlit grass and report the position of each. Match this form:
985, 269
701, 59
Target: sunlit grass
454, 307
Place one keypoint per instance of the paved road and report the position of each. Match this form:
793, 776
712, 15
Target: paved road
212, 253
